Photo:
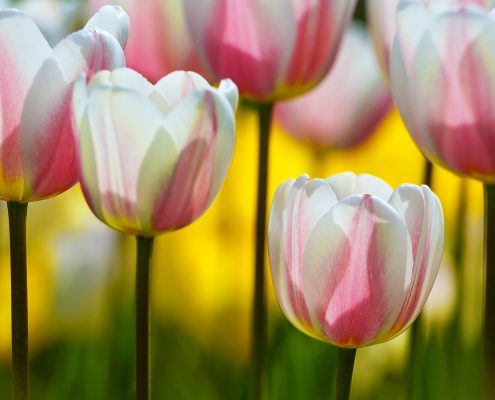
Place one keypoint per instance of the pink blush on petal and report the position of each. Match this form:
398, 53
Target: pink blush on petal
353, 309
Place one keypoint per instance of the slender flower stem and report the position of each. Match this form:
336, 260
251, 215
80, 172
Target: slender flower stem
489, 330
143, 264
414, 382
345, 367
259, 335
18, 276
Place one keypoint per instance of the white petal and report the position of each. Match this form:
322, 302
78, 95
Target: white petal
112, 19
348, 184
229, 89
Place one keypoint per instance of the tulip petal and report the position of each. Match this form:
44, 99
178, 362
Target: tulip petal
115, 140
356, 265
174, 87
22, 51
422, 213
254, 53
202, 129
123, 78
297, 208
229, 89
348, 184
111, 19
45, 125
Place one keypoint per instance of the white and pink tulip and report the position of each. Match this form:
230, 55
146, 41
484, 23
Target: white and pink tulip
353, 260
152, 158
271, 49
443, 83
37, 154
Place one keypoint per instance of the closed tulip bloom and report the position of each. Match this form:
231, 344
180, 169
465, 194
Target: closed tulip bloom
152, 158
159, 41
272, 49
37, 157
353, 86
442, 82
352, 260
381, 16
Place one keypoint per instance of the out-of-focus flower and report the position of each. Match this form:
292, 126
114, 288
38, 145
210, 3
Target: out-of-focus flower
381, 16
55, 18
37, 157
344, 109
271, 49
159, 41
153, 158
443, 85
353, 261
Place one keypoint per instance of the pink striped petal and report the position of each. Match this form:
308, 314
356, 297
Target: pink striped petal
248, 41
297, 208
422, 213
47, 137
354, 281
22, 51
202, 129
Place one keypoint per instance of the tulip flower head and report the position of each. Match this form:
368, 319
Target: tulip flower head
272, 49
352, 260
344, 109
381, 15
443, 84
152, 158
37, 155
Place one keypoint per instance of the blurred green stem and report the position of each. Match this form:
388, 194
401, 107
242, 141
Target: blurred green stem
259, 335
18, 277
489, 330
416, 344
143, 263
345, 367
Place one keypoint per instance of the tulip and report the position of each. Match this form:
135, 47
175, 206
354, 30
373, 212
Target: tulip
353, 86
271, 49
352, 260
159, 41
381, 16
444, 92
37, 152
152, 158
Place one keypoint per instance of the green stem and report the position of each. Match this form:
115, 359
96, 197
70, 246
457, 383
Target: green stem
20, 356
143, 264
345, 367
489, 329
416, 344
259, 335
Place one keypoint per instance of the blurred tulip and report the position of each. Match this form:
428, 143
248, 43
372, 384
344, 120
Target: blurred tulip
37, 157
443, 86
353, 261
153, 158
353, 86
271, 49
159, 41
381, 16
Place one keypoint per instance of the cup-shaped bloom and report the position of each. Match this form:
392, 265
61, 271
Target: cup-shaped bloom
152, 158
271, 49
159, 41
442, 79
353, 86
37, 154
352, 260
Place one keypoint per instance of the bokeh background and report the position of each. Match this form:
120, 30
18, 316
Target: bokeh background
80, 278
